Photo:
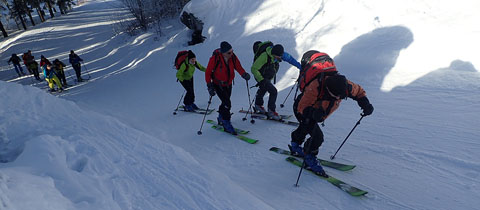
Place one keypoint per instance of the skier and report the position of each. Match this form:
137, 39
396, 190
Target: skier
320, 98
16, 64
264, 69
185, 76
51, 77
59, 66
219, 76
31, 64
75, 60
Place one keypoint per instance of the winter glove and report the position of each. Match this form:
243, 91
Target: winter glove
365, 105
246, 76
211, 89
314, 114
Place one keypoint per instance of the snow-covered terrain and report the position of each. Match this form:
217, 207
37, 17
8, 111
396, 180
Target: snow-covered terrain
113, 143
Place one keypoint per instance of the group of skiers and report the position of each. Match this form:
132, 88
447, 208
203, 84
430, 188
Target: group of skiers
321, 88
52, 72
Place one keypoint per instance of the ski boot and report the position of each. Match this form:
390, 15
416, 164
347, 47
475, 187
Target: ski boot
188, 108
273, 115
311, 163
219, 119
195, 107
259, 109
296, 149
227, 126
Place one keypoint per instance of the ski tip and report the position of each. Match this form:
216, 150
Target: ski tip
273, 148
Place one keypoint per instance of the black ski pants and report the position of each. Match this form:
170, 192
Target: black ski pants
78, 70
224, 93
265, 87
307, 126
190, 96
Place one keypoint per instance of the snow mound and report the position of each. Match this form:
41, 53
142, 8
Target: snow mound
57, 156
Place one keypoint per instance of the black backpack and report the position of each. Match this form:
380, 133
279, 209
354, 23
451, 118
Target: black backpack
259, 48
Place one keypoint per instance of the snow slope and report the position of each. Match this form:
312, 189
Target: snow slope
113, 143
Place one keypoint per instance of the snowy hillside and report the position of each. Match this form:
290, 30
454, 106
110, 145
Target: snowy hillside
113, 143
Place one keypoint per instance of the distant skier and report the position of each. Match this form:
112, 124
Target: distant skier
31, 64
51, 77
264, 69
75, 60
320, 98
58, 67
185, 76
16, 64
219, 76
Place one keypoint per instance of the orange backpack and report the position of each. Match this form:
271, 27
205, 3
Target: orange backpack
315, 65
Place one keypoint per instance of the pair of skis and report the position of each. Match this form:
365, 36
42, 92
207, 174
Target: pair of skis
354, 191
197, 111
283, 118
240, 132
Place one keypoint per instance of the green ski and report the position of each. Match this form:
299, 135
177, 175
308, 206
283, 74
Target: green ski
243, 138
327, 163
338, 183
239, 131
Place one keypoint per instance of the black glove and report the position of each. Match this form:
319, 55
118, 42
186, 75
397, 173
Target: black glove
314, 114
246, 76
211, 89
365, 105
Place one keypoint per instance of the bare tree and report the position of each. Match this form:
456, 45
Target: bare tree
151, 12
3, 8
18, 10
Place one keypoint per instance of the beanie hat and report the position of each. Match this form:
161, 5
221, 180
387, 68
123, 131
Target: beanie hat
337, 84
191, 55
225, 47
277, 50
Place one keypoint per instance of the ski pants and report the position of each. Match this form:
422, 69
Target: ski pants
78, 70
18, 69
267, 86
224, 93
62, 78
190, 96
52, 80
36, 73
307, 126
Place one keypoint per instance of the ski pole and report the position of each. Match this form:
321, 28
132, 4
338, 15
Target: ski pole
175, 112
300, 173
249, 106
282, 105
86, 70
208, 106
305, 148
358, 123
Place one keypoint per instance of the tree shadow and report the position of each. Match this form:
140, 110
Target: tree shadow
370, 57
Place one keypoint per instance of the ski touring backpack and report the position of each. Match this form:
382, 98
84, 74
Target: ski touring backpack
260, 47
181, 57
315, 65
